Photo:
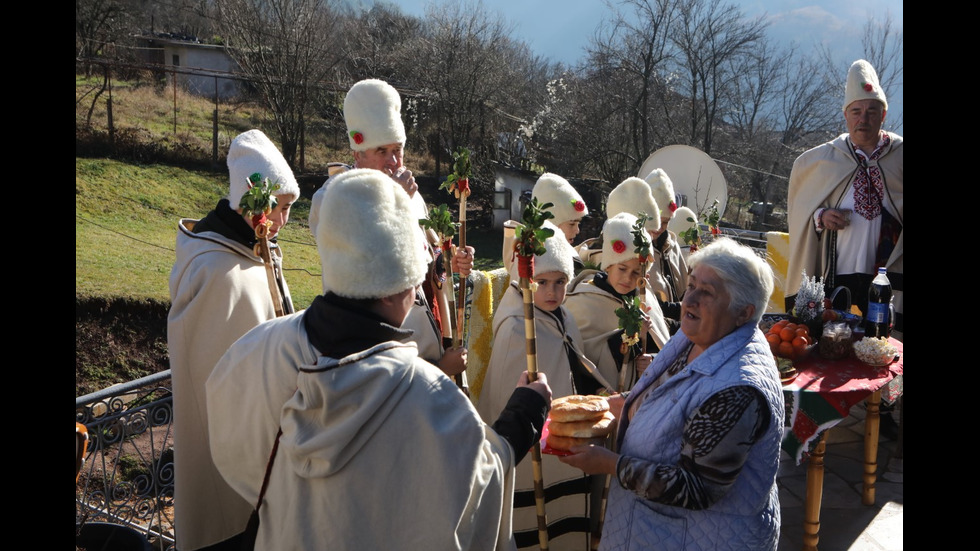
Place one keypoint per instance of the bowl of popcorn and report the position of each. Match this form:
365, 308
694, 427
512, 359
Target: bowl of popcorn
874, 351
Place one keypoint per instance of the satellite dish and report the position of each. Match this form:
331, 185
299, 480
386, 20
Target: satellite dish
697, 179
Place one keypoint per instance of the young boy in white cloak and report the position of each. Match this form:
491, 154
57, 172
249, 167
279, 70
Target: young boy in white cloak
377, 448
559, 352
219, 289
594, 296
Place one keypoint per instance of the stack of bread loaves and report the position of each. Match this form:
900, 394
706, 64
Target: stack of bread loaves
577, 420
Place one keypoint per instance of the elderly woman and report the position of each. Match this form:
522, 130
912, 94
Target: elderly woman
699, 434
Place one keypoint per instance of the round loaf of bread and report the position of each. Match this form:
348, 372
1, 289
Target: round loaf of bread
578, 408
583, 429
565, 443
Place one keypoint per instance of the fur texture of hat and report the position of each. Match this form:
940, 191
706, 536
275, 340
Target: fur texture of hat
633, 195
568, 204
683, 220
372, 111
617, 240
862, 83
369, 238
557, 257
252, 152
663, 191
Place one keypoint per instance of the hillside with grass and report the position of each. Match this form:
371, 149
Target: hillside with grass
129, 199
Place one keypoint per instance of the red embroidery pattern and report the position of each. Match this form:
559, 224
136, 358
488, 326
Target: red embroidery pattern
869, 187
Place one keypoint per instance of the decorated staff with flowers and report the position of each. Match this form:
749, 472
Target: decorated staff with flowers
364, 444
227, 279
594, 296
372, 112
529, 240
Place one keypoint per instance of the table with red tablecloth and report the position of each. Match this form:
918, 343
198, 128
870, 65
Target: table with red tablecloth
820, 397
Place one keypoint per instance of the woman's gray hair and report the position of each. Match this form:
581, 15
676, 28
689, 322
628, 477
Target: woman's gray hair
747, 276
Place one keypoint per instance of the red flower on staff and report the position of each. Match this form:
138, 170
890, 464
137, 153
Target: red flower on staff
868, 87
579, 206
715, 230
643, 258
357, 137
618, 246
672, 206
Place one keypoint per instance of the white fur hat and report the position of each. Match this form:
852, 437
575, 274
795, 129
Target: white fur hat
663, 191
373, 113
253, 152
683, 220
568, 204
368, 237
617, 240
862, 83
633, 195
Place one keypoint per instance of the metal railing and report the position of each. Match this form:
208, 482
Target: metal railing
128, 474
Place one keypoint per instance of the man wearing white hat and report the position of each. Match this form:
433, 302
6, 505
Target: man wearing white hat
846, 201
364, 445
372, 112
219, 289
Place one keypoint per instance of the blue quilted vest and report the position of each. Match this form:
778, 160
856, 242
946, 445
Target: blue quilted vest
747, 517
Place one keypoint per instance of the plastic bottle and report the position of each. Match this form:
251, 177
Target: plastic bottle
877, 321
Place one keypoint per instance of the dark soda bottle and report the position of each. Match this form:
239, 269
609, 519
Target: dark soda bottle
877, 321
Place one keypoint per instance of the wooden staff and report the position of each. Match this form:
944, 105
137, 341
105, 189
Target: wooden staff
458, 183
263, 251
529, 243
464, 192
440, 221
257, 202
641, 242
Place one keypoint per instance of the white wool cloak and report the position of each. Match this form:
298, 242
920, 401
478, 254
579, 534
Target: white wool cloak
678, 269
218, 290
379, 450
595, 311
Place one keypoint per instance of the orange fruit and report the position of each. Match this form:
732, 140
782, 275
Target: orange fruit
802, 329
786, 350
778, 325
798, 349
774, 341
792, 326
787, 334
800, 342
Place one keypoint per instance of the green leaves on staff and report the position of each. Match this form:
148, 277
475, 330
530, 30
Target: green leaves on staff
440, 220
630, 320
258, 199
641, 239
459, 180
530, 236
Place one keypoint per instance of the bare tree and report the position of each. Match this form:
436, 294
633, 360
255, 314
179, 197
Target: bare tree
711, 36
286, 49
468, 75
98, 24
884, 49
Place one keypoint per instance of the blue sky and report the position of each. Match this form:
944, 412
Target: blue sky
560, 29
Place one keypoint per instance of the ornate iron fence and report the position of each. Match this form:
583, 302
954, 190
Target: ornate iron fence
128, 474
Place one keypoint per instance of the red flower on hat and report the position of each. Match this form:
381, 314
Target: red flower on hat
579, 206
618, 246
868, 87
357, 137
672, 206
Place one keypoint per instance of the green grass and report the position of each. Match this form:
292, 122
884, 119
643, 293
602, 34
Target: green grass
126, 222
